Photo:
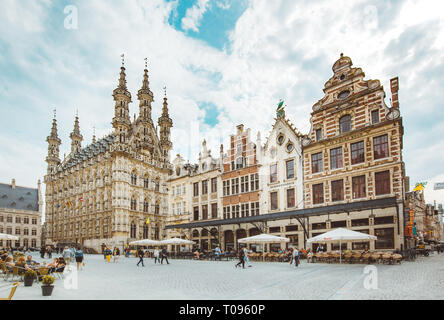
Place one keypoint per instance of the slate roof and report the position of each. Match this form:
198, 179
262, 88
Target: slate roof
101, 146
20, 198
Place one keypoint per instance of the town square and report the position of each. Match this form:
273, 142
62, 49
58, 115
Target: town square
221, 150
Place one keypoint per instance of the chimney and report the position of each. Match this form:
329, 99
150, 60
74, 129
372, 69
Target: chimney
394, 86
13, 184
407, 184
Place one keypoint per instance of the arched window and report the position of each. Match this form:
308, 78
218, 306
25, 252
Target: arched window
133, 230
133, 204
133, 178
145, 205
344, 124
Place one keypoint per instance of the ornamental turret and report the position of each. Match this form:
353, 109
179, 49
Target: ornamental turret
76, 137
122, 97
54, 143
165, 124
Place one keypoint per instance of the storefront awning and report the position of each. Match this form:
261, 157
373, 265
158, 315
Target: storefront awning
301, 213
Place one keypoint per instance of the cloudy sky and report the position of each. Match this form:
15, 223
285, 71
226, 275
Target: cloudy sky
224, 62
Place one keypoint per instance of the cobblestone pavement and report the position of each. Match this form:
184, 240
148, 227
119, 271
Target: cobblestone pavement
188, 279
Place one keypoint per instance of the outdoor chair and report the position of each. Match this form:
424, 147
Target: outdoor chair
18, 272
348, 257
6, 272
11, 293
356, 257
387, 258
397, 258
366, 257
59, 272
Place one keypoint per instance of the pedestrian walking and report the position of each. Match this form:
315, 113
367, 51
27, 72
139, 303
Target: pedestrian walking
156, 256
140, 254
107, 252
217, 253
67, 255
296, 257
240, 255
42, 252
164, 256
246, 257
116, 254
79, 258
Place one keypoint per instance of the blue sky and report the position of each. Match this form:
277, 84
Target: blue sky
224, 62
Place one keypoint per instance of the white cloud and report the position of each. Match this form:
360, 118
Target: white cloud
278, 49
193, 15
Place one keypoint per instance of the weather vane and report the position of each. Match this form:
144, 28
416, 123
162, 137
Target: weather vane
123, 59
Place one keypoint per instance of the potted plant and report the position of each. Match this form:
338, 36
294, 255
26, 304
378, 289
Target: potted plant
29, 277
47, 286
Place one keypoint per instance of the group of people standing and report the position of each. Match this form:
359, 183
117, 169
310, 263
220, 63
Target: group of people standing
158, 256
107, 253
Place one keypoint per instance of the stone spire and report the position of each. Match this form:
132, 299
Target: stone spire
53, 147
122, 97
76, 137
165, 124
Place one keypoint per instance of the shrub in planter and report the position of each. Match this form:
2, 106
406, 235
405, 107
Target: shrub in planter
47, 286
29, 277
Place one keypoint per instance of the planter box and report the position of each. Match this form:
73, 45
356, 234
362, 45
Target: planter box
28, 282
47, 290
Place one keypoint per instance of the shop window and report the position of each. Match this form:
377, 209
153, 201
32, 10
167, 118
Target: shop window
385, 238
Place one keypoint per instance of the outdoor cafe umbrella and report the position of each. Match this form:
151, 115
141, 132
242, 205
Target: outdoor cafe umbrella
4, 236
176, 241
263, 239
341, 235
145, 242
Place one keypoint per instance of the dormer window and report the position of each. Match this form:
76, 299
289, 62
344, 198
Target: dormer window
280, 139
345, 124
318, 134
343, 95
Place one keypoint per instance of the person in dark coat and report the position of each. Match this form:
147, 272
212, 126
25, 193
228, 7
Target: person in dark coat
42, 252
240, 255
140, 254
164, 255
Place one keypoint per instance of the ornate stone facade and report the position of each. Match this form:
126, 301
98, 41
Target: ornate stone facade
106, 191
353, 153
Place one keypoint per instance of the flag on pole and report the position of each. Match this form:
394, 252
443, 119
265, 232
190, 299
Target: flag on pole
281, 103
420, 186
81, 198
148, 220
68, 203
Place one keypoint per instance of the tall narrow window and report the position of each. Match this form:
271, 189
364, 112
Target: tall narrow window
345, 124
213, 185
273, 173
318, 134
357, 152
337, 190
318, 193
235, 186
358, 187
290, 198
196, 213
205, 187
196, 189
273, 200
382, 182
290, 169
205, 212
316, 162
336, 158
380, 147
213, 210
375, 116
